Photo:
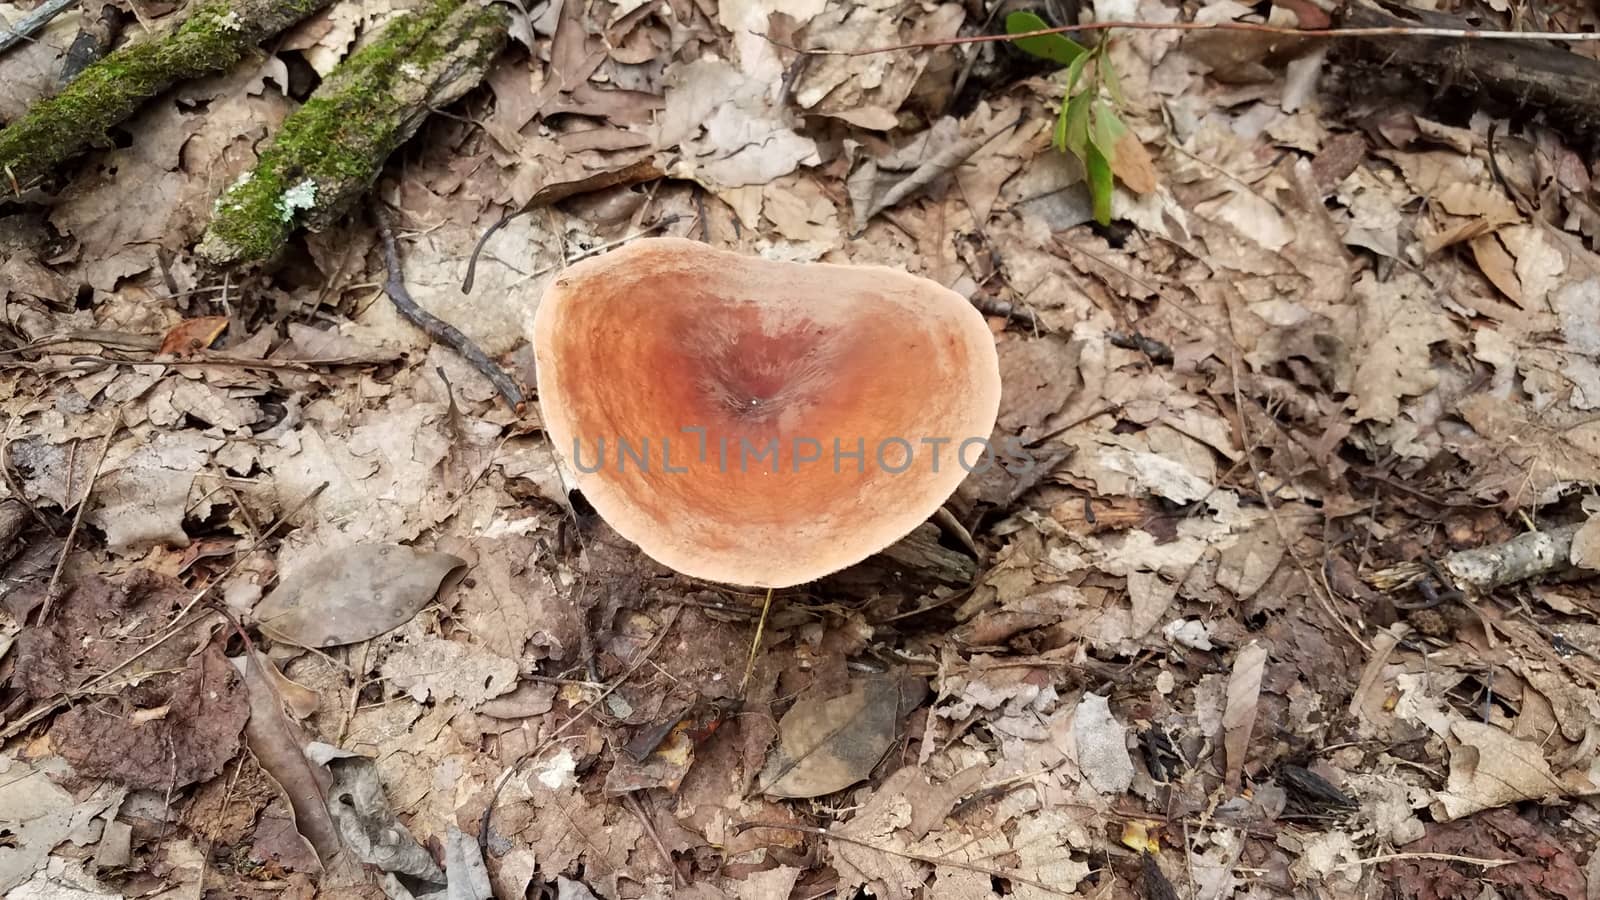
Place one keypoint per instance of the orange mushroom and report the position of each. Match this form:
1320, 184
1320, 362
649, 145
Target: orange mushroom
761, 423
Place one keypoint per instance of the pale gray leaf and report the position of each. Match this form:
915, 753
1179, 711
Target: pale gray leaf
352, 594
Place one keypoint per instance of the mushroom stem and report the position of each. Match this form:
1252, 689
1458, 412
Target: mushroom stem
755, 645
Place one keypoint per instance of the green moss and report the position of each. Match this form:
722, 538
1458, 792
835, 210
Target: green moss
212, 39
335, 145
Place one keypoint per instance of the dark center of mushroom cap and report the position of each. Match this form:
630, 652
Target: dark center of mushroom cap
750, 371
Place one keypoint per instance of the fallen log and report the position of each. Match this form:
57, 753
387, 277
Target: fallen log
330, 151
211, 36
1525, 75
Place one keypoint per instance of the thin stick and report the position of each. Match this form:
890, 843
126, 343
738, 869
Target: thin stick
32, 22
218, 362
360, 681
637, 808
755, 645
1442, 857
433, 326
1471, 34
53, 591
921, 858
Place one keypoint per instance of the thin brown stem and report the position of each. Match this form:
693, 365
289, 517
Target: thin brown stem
437, 328
1468, 34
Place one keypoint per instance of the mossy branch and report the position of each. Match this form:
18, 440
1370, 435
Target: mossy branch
211, 36
330, 151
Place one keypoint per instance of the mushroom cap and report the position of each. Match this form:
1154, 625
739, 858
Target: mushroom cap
710, 405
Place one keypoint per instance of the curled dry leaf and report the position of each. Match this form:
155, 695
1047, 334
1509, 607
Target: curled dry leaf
276, 745
352, 594
368, 824
299, 701
1489, 768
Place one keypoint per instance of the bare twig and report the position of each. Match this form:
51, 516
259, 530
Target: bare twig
637, 808
1441, 857
1480, 570
1469, 34
31, 23
755, 645
436, 328
218, 361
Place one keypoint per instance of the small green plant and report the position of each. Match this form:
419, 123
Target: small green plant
1088, 126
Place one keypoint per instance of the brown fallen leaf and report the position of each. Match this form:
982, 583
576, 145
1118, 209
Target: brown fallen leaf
192, 335
276, 745
442, 669
1541, 863
1462, 232
188, 738
352, 594
663, 767
127, 737
1239, 715
633, 173
299, 701
140, 500
1489, 768
39, 814
878, 184
826, 744
1586, 545
1497, 265
1339, 156
1307, 15
1132, 163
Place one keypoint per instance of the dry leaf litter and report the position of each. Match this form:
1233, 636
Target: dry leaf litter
331, 625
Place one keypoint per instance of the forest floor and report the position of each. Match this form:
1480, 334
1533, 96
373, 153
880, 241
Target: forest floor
293, 605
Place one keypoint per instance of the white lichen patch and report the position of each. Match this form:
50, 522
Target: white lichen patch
230, 22
301, 196
223, 199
